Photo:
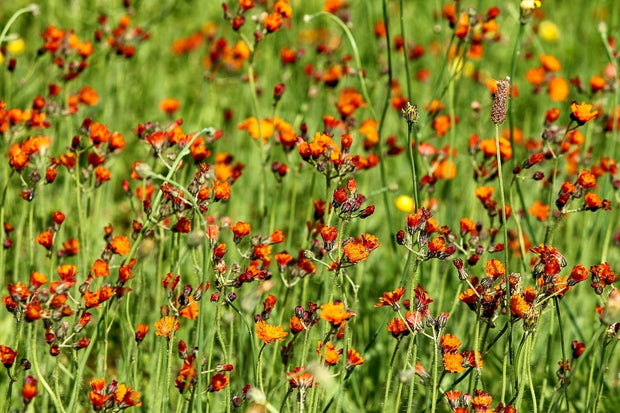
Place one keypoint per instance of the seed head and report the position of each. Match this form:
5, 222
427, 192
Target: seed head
500, 99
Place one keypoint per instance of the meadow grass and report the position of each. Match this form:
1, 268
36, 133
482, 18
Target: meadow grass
348, 252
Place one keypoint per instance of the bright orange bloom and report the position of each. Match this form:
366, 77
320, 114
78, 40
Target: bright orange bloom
29, 390
444, 169
98, 396
191, 310
335, 314
582, 113
120, 245
453, 362
518, 305
141, 330
495, 268
127, 397
284, 9
332, 356
353, 359
391, 298
536, 76
481, 401
300, 379
550, 63
558, 89
45, 239
7, 355
218, 382
397, 326
252, 127
597, 83
166, 326
540, 211
240, 230
169, 105
269, 333
586, 179
37, 279
450, 343
273, 22
484, 193
348, 102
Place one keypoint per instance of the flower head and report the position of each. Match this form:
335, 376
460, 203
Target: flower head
582, 113
335, 313
269, 333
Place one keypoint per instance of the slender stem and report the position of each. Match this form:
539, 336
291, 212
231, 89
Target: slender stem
435, 371
35, 363
388, 382
413, 378
556, 303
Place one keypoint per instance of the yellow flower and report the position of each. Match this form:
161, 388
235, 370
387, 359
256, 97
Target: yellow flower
16, 46
548, 31
404, 203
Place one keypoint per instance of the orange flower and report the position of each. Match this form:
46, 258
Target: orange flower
332, 356
120, 245
453, 362
540, 210
518, 305
444, 169
284, 9
300, 379
348, 101
558, 89
240, 230
269, 333
169, 105
397, 326
166, 326
141, 330
582, 113
391, 298
335, 314
353, 359
191, 310
7, 355
126, 397
495, 268
550, 63
45, 239
218, 382
273, 22
450, 343
484, 193
251, 125
29, 390
597, 83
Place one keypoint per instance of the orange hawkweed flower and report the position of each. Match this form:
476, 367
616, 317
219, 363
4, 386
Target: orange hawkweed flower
125, 397
272, 22
120, 245
550, 63
353, 359
45, 239
518, 305
332, 356
7, 355
29, 390
450, 343
391, 298
453, 362
141, 330
169, 105
269, 333
166, 326
300, 379
335, 313
582, 113
240, 230
540, 211
495, 268
558, 89
218, 382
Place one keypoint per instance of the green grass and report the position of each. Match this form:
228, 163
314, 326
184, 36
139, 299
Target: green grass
129, 93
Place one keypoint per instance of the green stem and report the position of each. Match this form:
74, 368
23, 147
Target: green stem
435, 371
412, 383
388, 382
35, 363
